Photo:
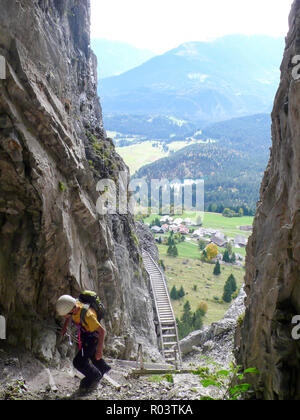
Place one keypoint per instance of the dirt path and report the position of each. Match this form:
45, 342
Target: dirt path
25, 378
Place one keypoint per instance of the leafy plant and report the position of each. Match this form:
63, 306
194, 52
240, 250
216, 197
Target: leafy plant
62, 186
231, 381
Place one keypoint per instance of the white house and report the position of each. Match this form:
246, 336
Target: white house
157, 229
166, 219
178, 221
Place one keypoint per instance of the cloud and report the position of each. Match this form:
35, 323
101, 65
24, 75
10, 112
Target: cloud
160, 25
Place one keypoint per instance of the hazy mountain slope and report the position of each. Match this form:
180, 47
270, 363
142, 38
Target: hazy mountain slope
213, 81
116, 57
233, 166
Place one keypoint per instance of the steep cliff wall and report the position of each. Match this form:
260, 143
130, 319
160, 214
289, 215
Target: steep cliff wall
53, 150
273, 261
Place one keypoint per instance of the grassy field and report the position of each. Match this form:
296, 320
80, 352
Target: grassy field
191, 274
185, 250
228, 225
141, 154
188, 271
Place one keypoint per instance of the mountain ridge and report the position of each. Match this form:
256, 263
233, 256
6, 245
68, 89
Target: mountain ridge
116, 57
210, 81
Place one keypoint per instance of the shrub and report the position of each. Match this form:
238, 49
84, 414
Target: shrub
203, 307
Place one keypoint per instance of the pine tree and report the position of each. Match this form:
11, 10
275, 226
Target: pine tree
233, 258
217, 269
175, 251
181, 293
187, 317
170, 251
174, 293
232, 282
226, 257
227, 295
198, 320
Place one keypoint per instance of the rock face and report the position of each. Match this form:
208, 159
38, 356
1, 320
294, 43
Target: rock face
147, 241
53, 151
273, 253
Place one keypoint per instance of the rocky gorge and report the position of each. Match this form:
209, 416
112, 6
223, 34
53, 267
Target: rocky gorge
53, 151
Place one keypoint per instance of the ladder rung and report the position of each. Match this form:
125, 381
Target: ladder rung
166, 318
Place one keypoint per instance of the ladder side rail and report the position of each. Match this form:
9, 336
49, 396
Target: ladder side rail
169, 302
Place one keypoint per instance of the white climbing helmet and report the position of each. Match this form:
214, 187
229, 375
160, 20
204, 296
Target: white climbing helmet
65, 304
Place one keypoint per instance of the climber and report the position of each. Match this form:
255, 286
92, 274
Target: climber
91, 339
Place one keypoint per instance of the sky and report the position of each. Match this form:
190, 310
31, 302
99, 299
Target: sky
160, 25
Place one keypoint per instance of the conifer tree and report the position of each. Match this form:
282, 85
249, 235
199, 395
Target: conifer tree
233, 284
174, 293
217, 269
181, 293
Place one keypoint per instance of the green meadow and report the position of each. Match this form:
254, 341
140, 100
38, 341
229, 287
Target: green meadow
200, 285
196, 277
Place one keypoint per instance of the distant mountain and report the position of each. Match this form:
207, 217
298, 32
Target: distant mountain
232, 166
208, 81
242, 133
116, 57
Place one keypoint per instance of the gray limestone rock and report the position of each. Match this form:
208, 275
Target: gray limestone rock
272, 283
53, 151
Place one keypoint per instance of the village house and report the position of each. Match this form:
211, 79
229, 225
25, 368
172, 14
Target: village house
246, 228
240, 242
202, 233
178, 221
184, 230
219, 239
165, 227
173, 228
157, 229
166, 219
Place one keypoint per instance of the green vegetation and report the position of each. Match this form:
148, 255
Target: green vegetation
188, 273
62, 186
231, 381
190, 321
229, 288
198, 278
138, 155
217, 269
177, 294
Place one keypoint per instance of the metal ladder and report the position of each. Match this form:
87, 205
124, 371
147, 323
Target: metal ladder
166, 318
